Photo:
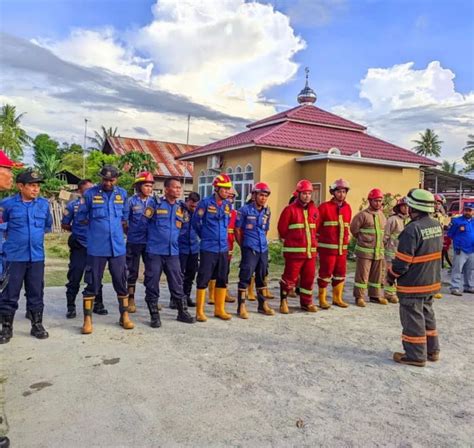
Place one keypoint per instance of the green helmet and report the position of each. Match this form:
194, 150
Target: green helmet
421, 200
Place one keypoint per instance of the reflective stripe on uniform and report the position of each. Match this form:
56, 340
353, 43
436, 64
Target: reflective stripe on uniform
297, 249
419, 289
325, 279
360, 285
371, 231
375, 285
367, 250
338, 278
414, 339
431, 333
296, 226
330, 223
306, 291
418, 259
389, 288
308, 234
331, 246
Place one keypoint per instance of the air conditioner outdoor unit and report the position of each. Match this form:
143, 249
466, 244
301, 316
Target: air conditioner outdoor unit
214, 162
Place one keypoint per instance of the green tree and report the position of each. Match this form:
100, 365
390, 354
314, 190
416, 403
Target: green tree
74, 148
100, 137
134, 162
468, 156
73, 162
96, 160
12, 136
449, 167
47, 156
429, 144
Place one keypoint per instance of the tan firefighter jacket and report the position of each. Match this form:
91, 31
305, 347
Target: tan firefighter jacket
368, 229
394, 226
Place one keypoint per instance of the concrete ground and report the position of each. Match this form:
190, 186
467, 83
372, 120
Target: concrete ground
301, 380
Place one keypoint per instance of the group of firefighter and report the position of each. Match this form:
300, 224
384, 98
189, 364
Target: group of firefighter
397, 259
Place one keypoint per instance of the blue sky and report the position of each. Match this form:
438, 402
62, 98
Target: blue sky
343, 41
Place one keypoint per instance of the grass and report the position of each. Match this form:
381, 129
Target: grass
57, 259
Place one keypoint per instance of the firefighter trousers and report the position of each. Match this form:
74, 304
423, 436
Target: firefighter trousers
419, 336
304, 269
368, 277
332, 268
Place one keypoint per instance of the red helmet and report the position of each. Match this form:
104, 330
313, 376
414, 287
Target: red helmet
440, 198
339, 184
261, 187
304, 185
144, 176
375, 193
222, 181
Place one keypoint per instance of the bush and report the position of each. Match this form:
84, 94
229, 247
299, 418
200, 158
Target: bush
275, 252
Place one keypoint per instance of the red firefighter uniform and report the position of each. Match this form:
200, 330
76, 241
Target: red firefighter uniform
333, 239
297, 229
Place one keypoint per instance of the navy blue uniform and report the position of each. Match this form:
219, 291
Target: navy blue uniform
27, 223
105, 213
77, 243
210, 221
188, 242
254, 225
163, 251
137, 236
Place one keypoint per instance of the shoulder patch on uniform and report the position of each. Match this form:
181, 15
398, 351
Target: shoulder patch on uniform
149, 212
201, 212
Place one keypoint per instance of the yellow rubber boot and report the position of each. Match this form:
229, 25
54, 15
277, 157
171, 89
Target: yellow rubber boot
132, 308
212, 291
125, 321
251, 290
200, 301
87, 307
438, 296
228, 297
322, 296
266, 292
241, 308
337, 291
219, 306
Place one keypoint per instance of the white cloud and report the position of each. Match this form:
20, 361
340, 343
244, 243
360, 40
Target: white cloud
404, 101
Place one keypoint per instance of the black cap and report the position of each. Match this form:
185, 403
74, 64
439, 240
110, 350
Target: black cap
29, 177
109, 172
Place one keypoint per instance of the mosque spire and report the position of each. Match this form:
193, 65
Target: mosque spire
307, 95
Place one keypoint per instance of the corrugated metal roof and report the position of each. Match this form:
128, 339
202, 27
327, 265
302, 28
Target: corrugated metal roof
163, 153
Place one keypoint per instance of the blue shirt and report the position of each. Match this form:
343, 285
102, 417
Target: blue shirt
461, 231
105, 213
210, 221
254, 225
137, 220
78, 229
27, 223
188, 239
164, 227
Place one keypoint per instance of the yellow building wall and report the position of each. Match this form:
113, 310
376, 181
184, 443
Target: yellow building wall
363, 178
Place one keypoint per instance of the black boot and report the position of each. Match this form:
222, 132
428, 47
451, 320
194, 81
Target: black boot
173, 305
99, 307
183, 315
7, 328
4, 442
190, 302
28, 314
37, 329
155, 321
71, 307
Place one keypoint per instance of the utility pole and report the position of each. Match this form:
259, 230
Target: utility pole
186, 163
84, 149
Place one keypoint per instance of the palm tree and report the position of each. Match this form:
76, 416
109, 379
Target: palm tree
12, 136
48, 165
429, 144
136, 162
448, 167
470, 143
100, 137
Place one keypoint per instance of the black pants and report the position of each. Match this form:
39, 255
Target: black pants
135, 251
31, 274
213, 265
253, 262
154, 267
95, 272
77, 266
189, 267
419, 335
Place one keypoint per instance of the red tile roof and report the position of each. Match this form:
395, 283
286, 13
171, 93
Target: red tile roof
164, 154
315, 131
310, 114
